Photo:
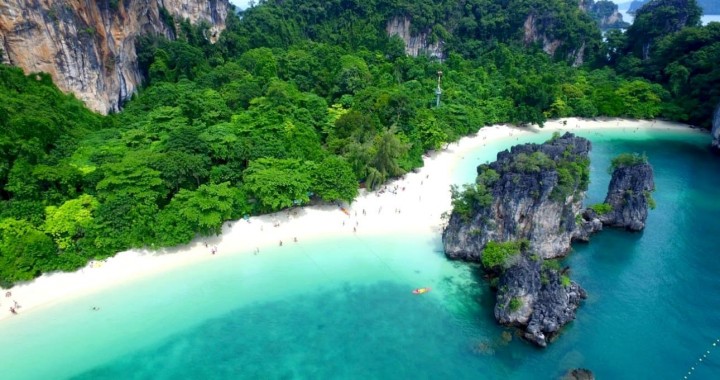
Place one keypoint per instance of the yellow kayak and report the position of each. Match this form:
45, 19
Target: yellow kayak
421, 290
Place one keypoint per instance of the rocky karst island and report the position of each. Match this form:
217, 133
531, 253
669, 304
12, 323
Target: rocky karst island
524, 210
214, 189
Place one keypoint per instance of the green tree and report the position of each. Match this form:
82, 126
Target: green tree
333, 180
498, 255
25, 251
278, 183
132, 178
206, 209
388, 150
69, 222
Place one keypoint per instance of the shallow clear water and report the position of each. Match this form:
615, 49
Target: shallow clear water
342, 308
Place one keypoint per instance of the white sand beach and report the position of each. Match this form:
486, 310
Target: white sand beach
411, 204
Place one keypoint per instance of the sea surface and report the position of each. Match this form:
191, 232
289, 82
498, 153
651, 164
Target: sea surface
342, 308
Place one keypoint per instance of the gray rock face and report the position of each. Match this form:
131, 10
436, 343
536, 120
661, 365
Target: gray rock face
533, 193
528, 202
605, 13
537, 29
716, 129
415, 45
535, 299
88, 47
628, 195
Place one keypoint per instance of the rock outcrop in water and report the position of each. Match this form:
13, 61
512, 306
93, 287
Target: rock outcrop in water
628, 198
524, 209
579, 374
521, 211
537, 298
88, 47
532, 192
716, 129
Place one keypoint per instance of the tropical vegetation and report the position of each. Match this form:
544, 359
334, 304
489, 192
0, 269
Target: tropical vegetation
305, 101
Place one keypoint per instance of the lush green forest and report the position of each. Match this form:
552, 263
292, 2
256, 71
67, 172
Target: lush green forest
709, 7
667, 45
300, 102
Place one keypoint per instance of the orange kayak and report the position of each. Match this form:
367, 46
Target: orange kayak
421, 290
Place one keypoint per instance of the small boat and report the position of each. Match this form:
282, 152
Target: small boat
345, 211
421, 290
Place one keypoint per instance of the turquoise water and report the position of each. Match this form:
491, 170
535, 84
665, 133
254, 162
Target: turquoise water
342, 308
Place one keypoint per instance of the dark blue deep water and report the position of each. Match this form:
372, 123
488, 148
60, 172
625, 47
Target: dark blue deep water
342, 308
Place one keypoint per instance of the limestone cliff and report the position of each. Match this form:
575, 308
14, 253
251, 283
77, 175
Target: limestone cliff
627, 202
415, 45
532, 192
88, 47
536, 30
716, 129
629, 197
521, 211
605, 13
535, 298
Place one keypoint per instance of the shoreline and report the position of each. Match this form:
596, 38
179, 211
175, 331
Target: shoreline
411, 204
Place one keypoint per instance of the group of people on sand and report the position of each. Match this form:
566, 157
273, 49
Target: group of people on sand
393, 189
214, 248
16, 306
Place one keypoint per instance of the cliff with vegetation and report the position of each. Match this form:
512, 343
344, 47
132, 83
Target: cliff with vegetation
520, 213
605, 13
531, 192
524, 210
418, 44
716, 129
660, 18
628, 199
667, 45
709, 7
88, 47
536, 296
297, 101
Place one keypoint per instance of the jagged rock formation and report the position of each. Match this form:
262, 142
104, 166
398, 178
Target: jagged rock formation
88, 47
530, 195
536, 192
414, 45
628, 195
716, 129
533, 30
605, 13
627, 201
536, 299
710, 7
659, 18
562, 29
524, 209
579, 374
